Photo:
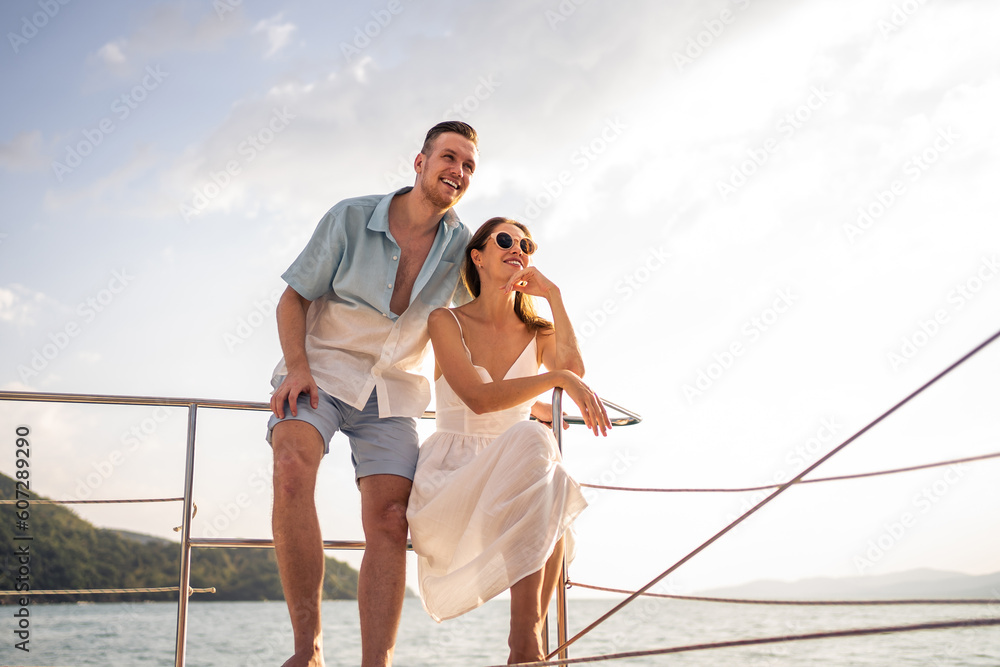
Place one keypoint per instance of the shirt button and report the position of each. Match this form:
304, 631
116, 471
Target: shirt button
394, 257
389, 285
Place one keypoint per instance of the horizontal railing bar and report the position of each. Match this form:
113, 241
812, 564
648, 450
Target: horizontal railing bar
236, 542
109, 591
106, 399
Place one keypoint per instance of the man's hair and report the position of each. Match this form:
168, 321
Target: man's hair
456, 126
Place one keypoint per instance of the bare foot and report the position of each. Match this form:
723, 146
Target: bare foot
525, 649
312, 660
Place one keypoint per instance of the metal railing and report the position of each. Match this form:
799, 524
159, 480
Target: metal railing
188, 543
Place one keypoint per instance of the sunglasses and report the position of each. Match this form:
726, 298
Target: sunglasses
505, 242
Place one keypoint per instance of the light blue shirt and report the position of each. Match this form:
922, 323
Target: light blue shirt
354, 342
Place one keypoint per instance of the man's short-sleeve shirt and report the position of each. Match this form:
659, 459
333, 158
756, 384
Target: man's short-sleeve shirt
354, 343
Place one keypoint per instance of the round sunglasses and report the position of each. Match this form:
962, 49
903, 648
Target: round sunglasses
505, 242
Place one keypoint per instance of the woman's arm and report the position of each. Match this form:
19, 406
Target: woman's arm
560, 350
482, 397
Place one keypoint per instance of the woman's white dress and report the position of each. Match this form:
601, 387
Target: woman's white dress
490, 499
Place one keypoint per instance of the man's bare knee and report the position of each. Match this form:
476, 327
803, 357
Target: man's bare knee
298, 450
387, 523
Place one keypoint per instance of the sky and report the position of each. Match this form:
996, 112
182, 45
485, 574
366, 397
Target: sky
770, 221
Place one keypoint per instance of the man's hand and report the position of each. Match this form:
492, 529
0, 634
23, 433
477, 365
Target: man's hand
542, 411
297, 382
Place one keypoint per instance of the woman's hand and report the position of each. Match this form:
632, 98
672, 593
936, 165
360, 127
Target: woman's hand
542, 411
530, 281
595, 416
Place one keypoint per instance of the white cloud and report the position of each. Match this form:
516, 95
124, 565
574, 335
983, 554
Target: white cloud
7, 300
21, 306
165, 29
23, 152
278, 34
108, 193
111, 53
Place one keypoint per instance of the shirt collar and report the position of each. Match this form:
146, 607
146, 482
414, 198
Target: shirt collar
380, 218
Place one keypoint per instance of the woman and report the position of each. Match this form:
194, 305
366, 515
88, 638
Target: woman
491, 501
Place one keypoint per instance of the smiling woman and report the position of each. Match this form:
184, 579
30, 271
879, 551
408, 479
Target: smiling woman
492, 504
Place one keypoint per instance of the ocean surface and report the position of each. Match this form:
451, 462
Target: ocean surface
253, 634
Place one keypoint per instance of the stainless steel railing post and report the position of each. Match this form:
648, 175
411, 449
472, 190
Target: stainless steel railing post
561, 633
185, 573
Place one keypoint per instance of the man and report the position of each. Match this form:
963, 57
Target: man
353, 330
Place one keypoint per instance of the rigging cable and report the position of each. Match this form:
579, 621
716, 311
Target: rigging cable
834, 634
807, 603
838, 478
775, 494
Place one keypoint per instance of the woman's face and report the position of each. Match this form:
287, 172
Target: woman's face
501, 262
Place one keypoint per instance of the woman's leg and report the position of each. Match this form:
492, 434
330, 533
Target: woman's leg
529, 604
550, 574
525, 640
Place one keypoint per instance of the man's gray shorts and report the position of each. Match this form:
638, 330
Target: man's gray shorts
379, 446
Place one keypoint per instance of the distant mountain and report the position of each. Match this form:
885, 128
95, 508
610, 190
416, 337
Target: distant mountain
70, 553
914, 584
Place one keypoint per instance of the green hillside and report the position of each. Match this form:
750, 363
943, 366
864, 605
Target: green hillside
70, 553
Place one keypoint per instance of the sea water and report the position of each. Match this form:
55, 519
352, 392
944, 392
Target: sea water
252, 634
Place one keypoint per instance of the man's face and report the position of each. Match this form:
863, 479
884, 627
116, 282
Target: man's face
443, 176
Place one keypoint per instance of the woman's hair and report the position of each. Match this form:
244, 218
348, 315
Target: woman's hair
524, 304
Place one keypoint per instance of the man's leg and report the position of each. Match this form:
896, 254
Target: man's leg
298, 544
382, 580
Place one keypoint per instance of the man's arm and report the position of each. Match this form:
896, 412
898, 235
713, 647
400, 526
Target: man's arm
291, 316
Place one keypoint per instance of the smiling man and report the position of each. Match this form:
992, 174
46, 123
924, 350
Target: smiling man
353, 330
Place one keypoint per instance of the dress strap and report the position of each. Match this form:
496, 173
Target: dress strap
461, 332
